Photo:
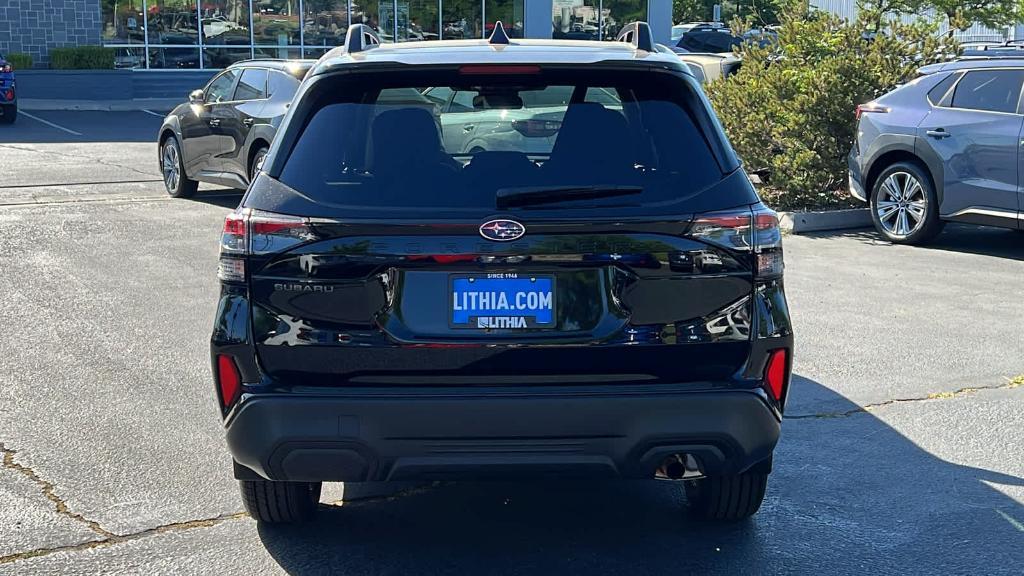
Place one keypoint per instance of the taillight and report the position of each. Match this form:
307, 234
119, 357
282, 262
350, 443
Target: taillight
253, 232
537, 128
870, 107
775, 373
7, 68
229, 381
755, 231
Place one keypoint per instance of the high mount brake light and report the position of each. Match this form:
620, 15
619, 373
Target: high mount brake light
482, 69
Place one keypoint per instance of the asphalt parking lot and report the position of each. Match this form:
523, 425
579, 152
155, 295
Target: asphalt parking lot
901, 452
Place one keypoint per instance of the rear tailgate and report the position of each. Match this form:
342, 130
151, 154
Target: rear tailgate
394, 305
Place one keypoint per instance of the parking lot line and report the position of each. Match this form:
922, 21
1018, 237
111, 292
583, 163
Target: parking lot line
157, 114
51, 124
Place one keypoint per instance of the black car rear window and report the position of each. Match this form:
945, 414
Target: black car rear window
464, 140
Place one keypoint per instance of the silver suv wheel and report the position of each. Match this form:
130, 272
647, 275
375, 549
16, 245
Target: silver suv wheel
902, 204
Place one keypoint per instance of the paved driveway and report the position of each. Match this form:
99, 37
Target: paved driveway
901, 453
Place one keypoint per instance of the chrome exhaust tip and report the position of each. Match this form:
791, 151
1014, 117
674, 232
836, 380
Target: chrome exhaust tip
679, 467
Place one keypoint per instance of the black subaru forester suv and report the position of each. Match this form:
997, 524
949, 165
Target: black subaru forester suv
594, 289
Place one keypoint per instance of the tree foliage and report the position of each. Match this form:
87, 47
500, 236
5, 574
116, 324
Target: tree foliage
759, 12
791, 106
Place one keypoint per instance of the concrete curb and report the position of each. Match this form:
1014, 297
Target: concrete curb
818, 221
151, 104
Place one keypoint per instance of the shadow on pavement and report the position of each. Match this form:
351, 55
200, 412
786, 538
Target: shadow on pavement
223, 197
965, 238
849, 495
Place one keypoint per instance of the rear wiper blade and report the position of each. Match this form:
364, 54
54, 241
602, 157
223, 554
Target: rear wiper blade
532, 195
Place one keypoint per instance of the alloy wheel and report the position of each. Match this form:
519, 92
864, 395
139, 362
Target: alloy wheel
902, 204
171, 166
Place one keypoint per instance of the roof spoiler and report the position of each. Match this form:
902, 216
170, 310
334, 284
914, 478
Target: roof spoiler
360, 38
639, 35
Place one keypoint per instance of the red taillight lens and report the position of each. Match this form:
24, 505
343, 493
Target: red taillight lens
480, 69
9, 94
869, 107
228, 380
775, 373
233, 239
537, 128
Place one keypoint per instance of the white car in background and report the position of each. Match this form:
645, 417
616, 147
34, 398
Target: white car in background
472, 122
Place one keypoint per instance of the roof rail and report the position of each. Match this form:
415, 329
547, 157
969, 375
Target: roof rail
360, 38
498, 36
639, 35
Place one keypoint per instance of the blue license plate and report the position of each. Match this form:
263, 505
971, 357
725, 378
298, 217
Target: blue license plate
502, 301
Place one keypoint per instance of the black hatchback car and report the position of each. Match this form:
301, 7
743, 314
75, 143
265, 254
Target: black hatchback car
595, 291
223, 132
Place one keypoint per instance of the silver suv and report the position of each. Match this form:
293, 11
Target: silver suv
943, 147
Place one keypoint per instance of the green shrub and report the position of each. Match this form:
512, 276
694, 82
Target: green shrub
791, 107
82, 58
18, 60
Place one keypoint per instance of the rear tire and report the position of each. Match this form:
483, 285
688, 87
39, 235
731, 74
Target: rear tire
176, 181
728, 498
10, 115
257, 161
280, 502
904, 206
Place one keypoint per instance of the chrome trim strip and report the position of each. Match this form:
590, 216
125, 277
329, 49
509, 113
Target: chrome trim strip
994, 212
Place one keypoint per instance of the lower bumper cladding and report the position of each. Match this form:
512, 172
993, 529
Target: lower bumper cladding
439, 434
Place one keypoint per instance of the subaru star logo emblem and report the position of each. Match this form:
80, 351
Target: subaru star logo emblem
502, 230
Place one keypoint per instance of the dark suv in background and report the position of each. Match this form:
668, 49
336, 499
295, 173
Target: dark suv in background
223, 132
606, 303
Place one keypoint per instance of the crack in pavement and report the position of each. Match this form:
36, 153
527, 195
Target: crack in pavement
1010, 383
77, 156
49, 491
118, 539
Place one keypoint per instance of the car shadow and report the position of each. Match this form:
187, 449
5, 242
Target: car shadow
223, 197
849, 495
964, 238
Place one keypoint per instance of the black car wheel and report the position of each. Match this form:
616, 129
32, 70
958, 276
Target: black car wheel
10, 114
904, 206
176, 182
280, 502
257, 161
727, 497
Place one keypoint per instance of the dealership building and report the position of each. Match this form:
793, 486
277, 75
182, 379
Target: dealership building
210, 34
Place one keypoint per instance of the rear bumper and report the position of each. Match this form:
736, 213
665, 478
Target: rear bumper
457, 434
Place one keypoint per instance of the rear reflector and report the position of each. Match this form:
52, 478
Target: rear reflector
775, 373
229, 380
498, 69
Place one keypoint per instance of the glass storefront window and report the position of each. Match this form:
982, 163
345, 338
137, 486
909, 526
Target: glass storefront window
123, 22
461, 19
617, 13
174, 58
125, 58
325, 23
173, 22
225, 22
377, 15
278, 52
275, 22
224, 57
417, 20
509, 12
575, 19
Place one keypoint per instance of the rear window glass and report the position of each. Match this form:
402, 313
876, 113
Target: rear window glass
991, 90
467, 141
